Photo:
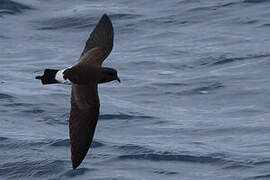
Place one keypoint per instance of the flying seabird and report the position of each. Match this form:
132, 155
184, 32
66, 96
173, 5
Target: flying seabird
84, 78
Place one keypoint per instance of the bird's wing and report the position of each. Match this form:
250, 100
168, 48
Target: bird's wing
84, 98
100, 42
83, 120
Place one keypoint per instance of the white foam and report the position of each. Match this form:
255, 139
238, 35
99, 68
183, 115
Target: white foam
60, 77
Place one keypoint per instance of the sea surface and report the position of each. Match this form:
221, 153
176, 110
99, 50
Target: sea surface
193, 102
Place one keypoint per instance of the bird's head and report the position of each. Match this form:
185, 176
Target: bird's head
108, 74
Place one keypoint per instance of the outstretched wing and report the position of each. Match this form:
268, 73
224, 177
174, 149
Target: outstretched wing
84, 98
83, 120
100, 42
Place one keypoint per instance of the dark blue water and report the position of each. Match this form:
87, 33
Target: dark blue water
193, 103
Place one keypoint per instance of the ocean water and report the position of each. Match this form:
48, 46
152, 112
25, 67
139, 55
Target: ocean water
193, 103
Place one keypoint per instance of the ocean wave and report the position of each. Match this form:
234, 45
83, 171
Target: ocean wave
80, 21
33, 111
9, 143
54, 119
262, 176
3, 138
164, 172
3, 37
77, 172
205, 88
61, 143
17, 104
170, 84
225, 161
213, 7
225, 60
5, 96
32, 169
75, 22
66, 143
267, 24
171, 157
122, 116
256, 1
11, 7
124, 16
206, 62
132, 151
131, 148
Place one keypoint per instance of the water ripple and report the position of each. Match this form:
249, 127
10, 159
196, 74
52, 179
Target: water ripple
223, 60
21, 144
264, 176
135, 149
10, 7
5, 96
255, 1
76, 22
124, 16
122, 116
30, 169
77, 172
211, 86
3, 139
61, 142
164, 172
171, 157
33, 111
66, 143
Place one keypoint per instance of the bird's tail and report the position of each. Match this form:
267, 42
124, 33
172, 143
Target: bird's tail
48, 76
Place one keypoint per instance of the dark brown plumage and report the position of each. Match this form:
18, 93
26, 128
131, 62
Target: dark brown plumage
84, 78
84, 98
83, 120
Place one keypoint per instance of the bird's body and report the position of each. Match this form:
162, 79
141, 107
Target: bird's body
84, 78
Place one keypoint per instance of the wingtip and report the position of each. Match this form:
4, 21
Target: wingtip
105, 15
75, 164
101, 36
106, 18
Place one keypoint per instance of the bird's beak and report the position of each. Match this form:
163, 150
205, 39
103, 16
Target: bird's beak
117, 78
